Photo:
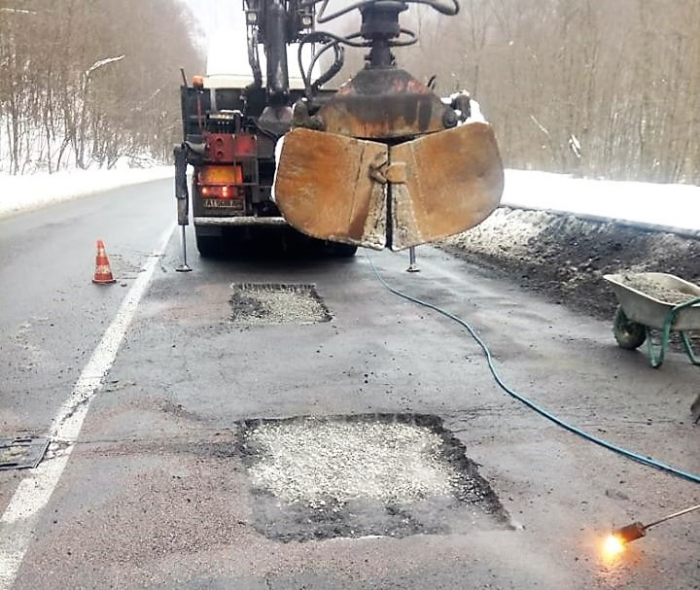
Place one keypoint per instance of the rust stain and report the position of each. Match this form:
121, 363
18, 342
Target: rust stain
383, 104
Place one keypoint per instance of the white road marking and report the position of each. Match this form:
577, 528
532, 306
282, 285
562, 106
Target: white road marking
19, 520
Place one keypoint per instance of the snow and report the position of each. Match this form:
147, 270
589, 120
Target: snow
33, 191
278, 154
672, 207
475, 114
103, 62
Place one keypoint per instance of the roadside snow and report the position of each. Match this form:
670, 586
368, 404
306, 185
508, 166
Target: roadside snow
32, 191
672, 207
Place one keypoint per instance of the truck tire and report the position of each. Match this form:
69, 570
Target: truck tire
208, 246
629, 334
343, 250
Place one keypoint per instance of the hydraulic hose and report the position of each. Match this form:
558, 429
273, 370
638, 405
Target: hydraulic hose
649, 462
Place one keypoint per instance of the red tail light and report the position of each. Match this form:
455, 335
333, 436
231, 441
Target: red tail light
222, 192
221, 175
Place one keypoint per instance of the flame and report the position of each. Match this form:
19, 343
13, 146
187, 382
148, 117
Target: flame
613, 547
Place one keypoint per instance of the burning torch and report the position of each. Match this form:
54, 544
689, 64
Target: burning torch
617, 540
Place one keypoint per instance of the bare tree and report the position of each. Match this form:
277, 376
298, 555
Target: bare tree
89, 82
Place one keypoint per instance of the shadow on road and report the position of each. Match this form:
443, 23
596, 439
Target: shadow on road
272, 247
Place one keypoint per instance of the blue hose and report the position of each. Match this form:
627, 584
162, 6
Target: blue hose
649, 462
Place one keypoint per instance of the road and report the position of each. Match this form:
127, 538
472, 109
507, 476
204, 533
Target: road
195, 464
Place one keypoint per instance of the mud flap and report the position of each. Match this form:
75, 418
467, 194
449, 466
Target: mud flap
336, 188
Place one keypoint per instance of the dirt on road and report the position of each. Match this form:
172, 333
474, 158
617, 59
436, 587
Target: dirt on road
565, 258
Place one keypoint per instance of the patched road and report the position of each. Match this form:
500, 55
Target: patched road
285, 423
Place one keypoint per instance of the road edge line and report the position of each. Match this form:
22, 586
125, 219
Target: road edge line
34, 492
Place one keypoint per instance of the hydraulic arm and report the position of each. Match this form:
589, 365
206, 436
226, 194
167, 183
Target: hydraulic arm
384, 162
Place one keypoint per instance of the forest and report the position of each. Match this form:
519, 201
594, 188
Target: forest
595, 88
88, 82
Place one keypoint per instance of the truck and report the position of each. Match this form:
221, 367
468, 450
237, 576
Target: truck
232, 118
382, 162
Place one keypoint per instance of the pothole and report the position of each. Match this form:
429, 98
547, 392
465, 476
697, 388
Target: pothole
265, 304
352, 476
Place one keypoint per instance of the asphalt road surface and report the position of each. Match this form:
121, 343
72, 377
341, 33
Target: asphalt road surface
289, 423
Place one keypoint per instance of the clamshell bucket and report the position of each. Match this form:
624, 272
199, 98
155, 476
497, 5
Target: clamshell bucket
376, 195
386, 163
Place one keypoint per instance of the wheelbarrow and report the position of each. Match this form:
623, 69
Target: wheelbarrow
655, 301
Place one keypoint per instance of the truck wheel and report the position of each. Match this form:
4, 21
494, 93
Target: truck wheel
343, 250
629, 334
208, 246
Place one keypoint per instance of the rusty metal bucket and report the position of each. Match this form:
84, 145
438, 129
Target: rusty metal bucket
379, 195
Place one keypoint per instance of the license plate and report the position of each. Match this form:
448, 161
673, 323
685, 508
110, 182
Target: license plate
221, 204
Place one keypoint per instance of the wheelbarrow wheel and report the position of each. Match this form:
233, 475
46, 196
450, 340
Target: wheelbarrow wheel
629, 334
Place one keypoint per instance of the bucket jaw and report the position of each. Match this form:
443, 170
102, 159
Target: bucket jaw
324, 188
379, 194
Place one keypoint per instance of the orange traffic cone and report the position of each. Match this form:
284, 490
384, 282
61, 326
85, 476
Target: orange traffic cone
103, 273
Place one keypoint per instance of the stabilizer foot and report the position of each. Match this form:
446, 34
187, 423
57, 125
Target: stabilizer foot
412, 266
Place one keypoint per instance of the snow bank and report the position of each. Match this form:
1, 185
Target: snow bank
32, 191
668, 207
671, 207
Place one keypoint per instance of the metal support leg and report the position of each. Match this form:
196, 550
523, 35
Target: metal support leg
184, 266
183, 200
412, 266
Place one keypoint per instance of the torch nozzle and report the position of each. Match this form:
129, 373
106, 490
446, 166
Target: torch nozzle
636, 530
631, 532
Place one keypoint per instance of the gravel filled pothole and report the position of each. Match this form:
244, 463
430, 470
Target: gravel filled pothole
353, 476
265, 304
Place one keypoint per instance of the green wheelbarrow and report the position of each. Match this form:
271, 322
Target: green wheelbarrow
655, 301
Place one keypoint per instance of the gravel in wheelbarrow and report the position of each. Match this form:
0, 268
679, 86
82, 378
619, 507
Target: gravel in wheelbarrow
653, 288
